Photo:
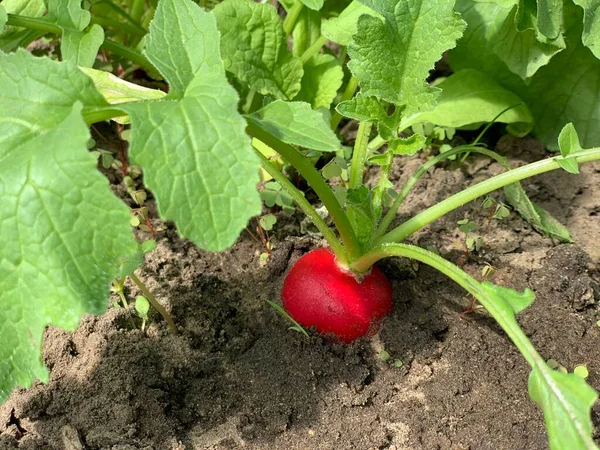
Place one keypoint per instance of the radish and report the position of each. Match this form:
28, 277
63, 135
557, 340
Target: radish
318, 293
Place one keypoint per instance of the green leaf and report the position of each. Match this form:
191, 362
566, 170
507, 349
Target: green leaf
591, 24
12, 37
408, 146
581, 371
254, 48
340, 29
3, 18
549, 17
566, 401
192, 145
363, 108
115, 90
297, 124
362, 214
142, 306
508, 300
392, 57
565, 90
470, 97
524, 50
315, 5
78, 46
267, 221
63, 231
306, 30
323, 76
537, 216
568, 142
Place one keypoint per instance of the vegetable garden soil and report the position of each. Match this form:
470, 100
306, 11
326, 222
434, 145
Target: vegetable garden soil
236, 378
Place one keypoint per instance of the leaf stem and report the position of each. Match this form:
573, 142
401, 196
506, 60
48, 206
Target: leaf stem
150, 297
389, 217
305, 205
321, 188
46, 27
423, 219
351, 88
314, 48
359, 155
376, 143
292, 16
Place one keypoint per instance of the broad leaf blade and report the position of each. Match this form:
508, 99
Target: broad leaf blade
591, 24
3, 18
537, 216
363, 108
297, 124
323, 76
340, 29
549, 17
469, 97
566, 401
63, 231
77, 45
392, 57
254, 49
192, 145
315, 5
116, 90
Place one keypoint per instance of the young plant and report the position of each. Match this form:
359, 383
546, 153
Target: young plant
235, 90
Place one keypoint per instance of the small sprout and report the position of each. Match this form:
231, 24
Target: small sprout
466, 225
384, 355
148, 246
488, 271
598, 323
139, 196
135, 171
267, 221
296, 326
581, 371
134, 221
263, 258
398, 363
142, 306
488, 202
501, 212
553, 364
474, 243
91, 143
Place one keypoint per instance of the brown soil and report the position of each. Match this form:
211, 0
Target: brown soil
236, 378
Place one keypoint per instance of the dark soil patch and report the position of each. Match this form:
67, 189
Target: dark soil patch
235, 377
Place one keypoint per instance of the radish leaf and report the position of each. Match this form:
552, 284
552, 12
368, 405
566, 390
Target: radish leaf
322, 78
64, 234
392, 57
254, 49
192, 144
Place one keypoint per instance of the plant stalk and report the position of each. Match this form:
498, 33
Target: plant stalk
292, 17
321, 188
314, 48
389, 217
359, 155
423, 219
150, 297
305, 205
351, 88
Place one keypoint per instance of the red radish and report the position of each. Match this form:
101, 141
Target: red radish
319, 293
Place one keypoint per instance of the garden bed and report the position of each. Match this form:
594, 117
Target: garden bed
235, 377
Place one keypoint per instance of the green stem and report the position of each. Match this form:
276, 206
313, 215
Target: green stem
389, 217
150, 297
107, 22
469, 283
292, 16
117, 49
95, 115
305, 205
351, 88
376, 143
314, 179
359, 155
504, 179
314, 48
384, 177
137, 9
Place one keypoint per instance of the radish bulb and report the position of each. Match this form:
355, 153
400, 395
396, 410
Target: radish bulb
318, 293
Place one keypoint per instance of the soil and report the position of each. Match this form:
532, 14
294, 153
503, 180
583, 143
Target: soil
235, 377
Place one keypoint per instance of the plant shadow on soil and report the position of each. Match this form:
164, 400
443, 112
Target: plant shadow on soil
236, 378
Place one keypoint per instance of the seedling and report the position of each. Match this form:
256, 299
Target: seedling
142, 306
296, 326
232, 92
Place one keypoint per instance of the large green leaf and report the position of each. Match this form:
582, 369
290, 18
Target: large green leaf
313, 4
340, 29
323, 76
254, 48
297, 124
63, 231
192, 145
565, 90
591, 24
77, 45
469, 97
392, 57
